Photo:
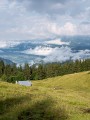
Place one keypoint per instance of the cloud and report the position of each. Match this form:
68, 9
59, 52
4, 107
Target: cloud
63, 54
32, 19
84, 29
57, 54
8, 44
69, 29
33, 27
40, 50
85, 23
71, 7
57, 42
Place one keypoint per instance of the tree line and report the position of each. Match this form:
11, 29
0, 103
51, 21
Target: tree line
11, 73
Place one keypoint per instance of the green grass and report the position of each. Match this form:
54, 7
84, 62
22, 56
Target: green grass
59, 98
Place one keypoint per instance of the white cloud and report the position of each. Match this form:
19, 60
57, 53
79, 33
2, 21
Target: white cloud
69, 29
19, 22
7, 44
65, 53
84, 29
40, 50
38, 27
57, 42
58, 54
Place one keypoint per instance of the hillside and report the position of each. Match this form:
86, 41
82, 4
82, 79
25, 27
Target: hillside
59, 98
7, 61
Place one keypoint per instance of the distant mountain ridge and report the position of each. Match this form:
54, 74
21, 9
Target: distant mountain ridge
59, 49
6, 61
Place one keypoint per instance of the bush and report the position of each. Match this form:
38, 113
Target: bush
4, 77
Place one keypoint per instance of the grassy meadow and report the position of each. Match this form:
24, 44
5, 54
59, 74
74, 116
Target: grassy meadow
59, 98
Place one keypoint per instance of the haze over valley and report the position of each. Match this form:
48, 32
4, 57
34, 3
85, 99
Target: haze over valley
58, 49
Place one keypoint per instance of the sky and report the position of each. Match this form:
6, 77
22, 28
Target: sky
40, 19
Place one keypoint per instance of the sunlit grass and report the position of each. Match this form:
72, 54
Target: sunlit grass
59, 98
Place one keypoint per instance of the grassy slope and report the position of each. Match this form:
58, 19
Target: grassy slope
59, 98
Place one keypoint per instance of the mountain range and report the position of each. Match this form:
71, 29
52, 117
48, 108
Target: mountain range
59, 49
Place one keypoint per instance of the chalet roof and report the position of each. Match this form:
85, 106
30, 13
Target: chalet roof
25, 83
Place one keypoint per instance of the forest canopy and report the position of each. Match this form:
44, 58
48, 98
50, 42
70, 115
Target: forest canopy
12, 73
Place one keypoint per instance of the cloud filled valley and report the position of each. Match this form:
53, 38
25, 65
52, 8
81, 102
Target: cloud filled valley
47, 50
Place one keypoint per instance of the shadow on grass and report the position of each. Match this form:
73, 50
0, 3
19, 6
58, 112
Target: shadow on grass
86, 110
43, 111
6, 104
